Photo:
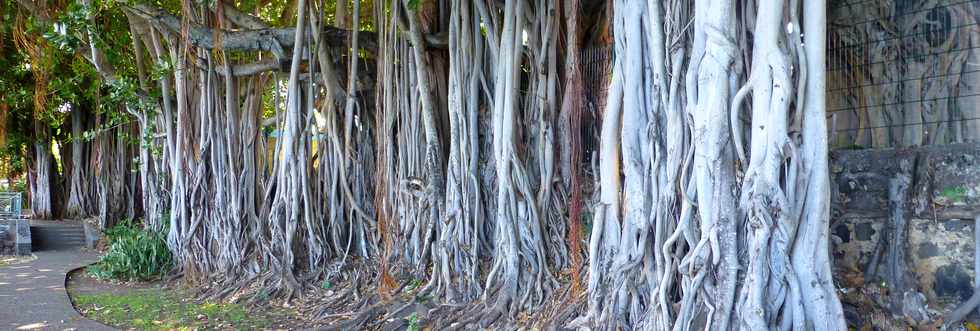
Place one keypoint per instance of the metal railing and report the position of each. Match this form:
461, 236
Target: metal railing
10, 205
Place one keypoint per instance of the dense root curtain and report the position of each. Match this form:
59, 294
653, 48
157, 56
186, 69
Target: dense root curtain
486, 217
714, 202
712, 187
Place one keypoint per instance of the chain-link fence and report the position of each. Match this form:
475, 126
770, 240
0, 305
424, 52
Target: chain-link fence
903, 72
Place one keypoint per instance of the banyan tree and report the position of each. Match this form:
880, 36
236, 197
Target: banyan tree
657, 164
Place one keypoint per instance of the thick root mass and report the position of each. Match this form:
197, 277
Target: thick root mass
463, 162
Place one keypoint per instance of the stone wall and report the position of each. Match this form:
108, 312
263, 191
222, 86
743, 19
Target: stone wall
15, 237
943, 199
7, 239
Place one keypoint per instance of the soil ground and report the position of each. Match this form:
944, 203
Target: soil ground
160, 305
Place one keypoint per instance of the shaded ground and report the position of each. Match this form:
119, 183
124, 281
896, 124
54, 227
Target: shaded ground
161, 306
359, 305
866, 307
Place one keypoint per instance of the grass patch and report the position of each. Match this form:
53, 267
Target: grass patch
954, 194
150, 309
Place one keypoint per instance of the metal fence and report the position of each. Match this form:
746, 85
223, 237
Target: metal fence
10, 205
596, 73
903, 72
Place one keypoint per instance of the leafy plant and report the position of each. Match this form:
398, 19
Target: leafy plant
955, 193
413, 322
134, 254
414, 284
414, 4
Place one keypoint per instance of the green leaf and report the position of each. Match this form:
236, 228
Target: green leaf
134, 254
414, 4
413, 322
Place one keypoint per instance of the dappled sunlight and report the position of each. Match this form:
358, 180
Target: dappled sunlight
33, 297
507, 164
33, 326
10, 260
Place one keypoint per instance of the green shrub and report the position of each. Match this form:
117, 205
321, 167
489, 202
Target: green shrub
134, 254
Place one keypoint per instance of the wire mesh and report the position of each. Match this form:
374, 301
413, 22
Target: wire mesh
903, 72
10, 205
596, 74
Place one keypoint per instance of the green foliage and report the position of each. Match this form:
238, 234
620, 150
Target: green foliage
161, 69
72, 23
134, 254
75, 82
16, 96
155, 309
954, 194
414, 4
19, 185
413, 322
12, 152
125, 92
414, 284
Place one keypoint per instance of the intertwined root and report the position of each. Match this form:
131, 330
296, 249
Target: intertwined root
708, 216
719, 245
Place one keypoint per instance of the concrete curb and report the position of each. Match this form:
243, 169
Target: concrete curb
71, 300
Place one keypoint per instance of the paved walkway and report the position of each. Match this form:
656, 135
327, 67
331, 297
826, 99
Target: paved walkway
33, 296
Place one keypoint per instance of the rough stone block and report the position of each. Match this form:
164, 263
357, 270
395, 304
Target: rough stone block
23, 237
7, 242
92, 235
943, 201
